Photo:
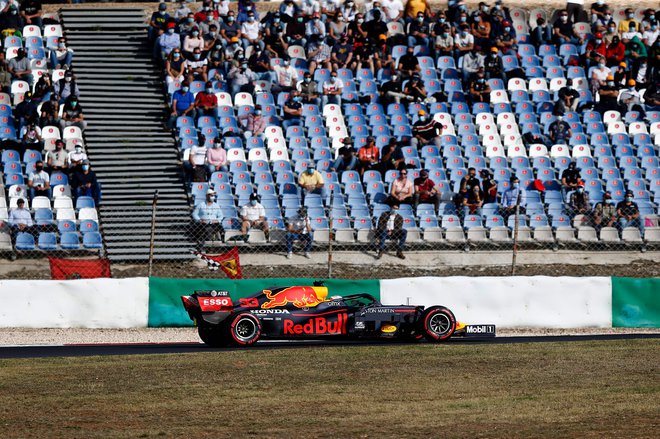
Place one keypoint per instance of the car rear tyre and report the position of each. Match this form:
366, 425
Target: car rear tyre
212, 336
438, 323
244, 330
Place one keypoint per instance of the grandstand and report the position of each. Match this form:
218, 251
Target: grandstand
616, 150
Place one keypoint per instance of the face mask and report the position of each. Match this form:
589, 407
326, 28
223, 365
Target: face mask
74, 103
608, 17
612, 30
276, 20
560, 118
600, 2
442, 20
651, 17
212, 34
477, 19
209, 90
310, 171
484, 8
610, 83
653, 27
257, 113
464, 33
481, 80
515, 185
463, 19
580, 190
420, 19
191, 20
507, 29
308, 80
598, 42
197, 56
629, 199
14, 12
394, 77
333, 79
218, 46
360, 20
216, 145
297, 99
230, 18
251, 18
285, 63
300, 19
170, 31
207, 8
631, 28
185, 89
195, 33
61, 45
601, 65
349, 4
609, 201
445, 35
253, 203
85, 168
630, 16
67, 79
422, 118
564, 18
78, 149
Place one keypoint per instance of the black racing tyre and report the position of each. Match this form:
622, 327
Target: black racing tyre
244, 329
212, 336
438, 323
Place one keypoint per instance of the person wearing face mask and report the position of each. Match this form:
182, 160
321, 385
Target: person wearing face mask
631, 98
579, 203
480, 89
319, 52
309, 90
76, 158
191, 42
174, 67
168, 41
39, 182
311, 181
299, 228
390, 226
624, 24
567, 97
401, 189
634, 33
628, 213
368, 156
596, 48
25, 111
315, 27
338, 26
570, 179
31, 136
253, 216
211, 38
559, 131
463, 41
444, 42
542, 33
604, 213
182, 10
287, 77
481, 29
391, 91
310, 7
506, 40
332, 90
640, 73
61, 57
393, 10
609, 94
157, 22
599, 75
19, 67
651, 34
183, 104
85, 183
409, 64
346, 160
514, 195
67, 86
206, 102
293, 111
251, 32
230, 29
288, 11
342, 54
207, 220
73, 114
58, 159
245, 8
197, 66
563, 30
493, 65
635, 51
242, 78
652, 96
254, 123
414, 8
598, 12
418, 31
349, 10
425, 191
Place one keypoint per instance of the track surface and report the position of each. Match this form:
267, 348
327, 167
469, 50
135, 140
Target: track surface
82, 350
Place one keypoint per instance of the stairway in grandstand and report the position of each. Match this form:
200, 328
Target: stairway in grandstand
131, 152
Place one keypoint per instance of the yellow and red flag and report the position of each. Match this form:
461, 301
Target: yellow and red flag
228, 262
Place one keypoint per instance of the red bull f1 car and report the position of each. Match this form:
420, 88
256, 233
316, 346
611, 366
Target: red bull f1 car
306, 312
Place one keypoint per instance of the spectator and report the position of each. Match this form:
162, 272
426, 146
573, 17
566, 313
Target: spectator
579, 201
425, 191
575, 10
640, 74
20, 220
253, 215
242, 78
275, 40
67, 86
342, 54
19, 67
32, 13
211, 37
58, 160
332, 90
251, 32
50, 111
230, 30
42, 89
216, 158
392, 156
596, 48
368, 156
463, 41
604, 24
197, 160
259, 63
206, 102
624, 25
169, 40
311, 181
426, 131
182, 11
310, 8
559, 131
506, 40
391, 91
570, 178
158, 22
299, 228
418, 31
183, 104
512, 197
473, 201
338, 26
390, 226
287, 77
598, 13
26, 110
319, 52
609, 94
73, 114
480, 89
85, 184
292, 111
488, 186
444, 42
628, 213
393, 10
61, 57
315, 27
76, 158
309, 90
5, 79
631, 98
481, 30
401, 189
604, 213
563, 30
174, 67
471, 63
493, 66
197, 67
542, 33
652, 96
568, 97
415, 89
207, 220
39, 182
253, 123
616, 51
634, 33
349, 10
10, 22
31, 136
295, 31
346, 160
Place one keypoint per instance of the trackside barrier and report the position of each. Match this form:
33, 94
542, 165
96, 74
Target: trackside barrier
552, 302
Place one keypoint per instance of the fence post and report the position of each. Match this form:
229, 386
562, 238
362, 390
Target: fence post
332, 199
515, 236
153, 232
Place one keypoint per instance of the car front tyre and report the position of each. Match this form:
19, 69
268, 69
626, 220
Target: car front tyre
438, 324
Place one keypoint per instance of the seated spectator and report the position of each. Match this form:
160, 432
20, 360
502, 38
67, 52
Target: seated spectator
444, 42
609, 94
168, 41
31, 137
332, 89
542, 33
174, 67
309, 90
72, 114
463, 41
19, 67
570, 178
624, 25
275, 41
559, 131
480, 89
652, 96
368, 156
346, 160
254, 124
337, 26
481, 29
311, 181
287, 77
85, 184
158, 22
616, 51
207, 220
259, 63
253, 215
11, 23
197, 160
391, 91
233, 52
20, 220
631, 98
206, 102
43, 88
341, 56
596, 48
26, 110
512, 197
598, 13
628, 213
633, 34
426, 131
579, 201
425, 191
604, 213
61, 57
183, 104
50, 111
76, 158
299, 228
473, 201
230, 29
32, 13
212, 39
418, 31
563, 31
251, 32
319, 52
640, 74
295, 31
506, 40
5, 79
390, 226
415, 89
488, 186
401, 189
493, 66
293, 111
391, 156
315, 27
197, 67
408, 64
568, 97
216, 158
67, 86
58, 160
39, 182
471, 63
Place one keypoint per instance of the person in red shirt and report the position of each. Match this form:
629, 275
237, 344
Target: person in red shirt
425, 191
616, 51
596, 47
368, 156
206, 101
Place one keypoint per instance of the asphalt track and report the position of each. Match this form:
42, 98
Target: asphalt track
85, 350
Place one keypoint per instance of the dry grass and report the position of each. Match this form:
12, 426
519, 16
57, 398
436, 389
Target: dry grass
594, 389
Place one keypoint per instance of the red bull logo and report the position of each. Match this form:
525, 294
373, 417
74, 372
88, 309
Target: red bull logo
317, 326
300, 297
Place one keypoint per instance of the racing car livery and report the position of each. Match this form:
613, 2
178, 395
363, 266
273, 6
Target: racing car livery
306, 312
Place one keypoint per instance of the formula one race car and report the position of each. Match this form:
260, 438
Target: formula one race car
305, 312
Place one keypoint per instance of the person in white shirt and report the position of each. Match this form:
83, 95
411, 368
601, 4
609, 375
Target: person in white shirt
39, 182
599, 75
310, 7
287, 77
315, 26
650, 35
253, 215
197, 160
393, 9
332, 89
251, 33
76, 157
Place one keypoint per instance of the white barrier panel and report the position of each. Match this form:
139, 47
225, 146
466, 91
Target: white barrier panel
82, 303
539, 301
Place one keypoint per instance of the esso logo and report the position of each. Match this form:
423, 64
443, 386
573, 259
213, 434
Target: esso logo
215, 301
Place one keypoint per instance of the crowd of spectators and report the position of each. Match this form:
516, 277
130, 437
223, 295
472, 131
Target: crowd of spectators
404, 75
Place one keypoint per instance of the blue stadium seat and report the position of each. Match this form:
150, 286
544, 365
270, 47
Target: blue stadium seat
92, 240
47, 241
70, 241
